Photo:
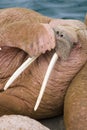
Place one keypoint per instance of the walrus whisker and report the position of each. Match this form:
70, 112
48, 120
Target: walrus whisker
19, 71
48, 72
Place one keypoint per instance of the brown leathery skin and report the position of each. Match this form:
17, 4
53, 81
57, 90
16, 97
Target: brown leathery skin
10, 15
75, 108
20, 98
20, 23
22, 93
34, 39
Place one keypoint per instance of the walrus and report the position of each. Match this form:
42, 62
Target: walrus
25, 34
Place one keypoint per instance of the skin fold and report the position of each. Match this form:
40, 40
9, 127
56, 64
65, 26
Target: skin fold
25, 33
75, 105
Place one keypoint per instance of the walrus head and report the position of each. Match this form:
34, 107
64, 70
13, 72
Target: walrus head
66, 39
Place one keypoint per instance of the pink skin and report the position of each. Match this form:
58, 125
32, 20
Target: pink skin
20, 98
33, 39
28, 84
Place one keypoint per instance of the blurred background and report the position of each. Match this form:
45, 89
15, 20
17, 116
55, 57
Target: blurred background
66, 9
72, 9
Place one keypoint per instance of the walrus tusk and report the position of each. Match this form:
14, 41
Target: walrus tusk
19, 71
50, 67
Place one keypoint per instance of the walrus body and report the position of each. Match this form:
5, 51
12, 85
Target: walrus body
20, 98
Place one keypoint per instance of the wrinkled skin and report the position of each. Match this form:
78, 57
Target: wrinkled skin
26, 33
75, 106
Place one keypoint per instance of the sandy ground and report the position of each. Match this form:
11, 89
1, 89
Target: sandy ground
55, 123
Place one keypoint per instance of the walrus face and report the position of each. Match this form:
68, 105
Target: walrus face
65, 39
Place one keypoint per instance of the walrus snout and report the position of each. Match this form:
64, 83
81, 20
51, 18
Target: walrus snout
66, 41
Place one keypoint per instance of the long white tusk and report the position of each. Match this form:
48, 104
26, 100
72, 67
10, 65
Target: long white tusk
19, 71
50, 67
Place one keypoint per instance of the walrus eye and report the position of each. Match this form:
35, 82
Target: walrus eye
19, 71
57, 32
48, 72
61, 35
